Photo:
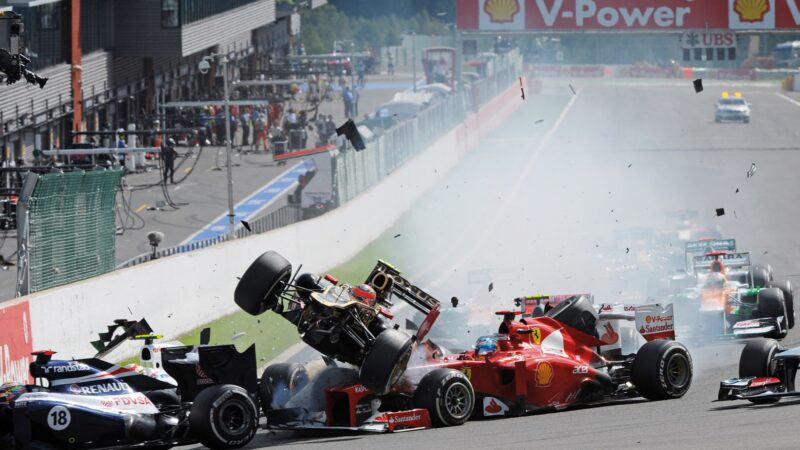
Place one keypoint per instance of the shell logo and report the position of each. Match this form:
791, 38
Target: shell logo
544, 374
751, 10
501, 11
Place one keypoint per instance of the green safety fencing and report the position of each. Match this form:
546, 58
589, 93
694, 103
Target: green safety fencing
71, 227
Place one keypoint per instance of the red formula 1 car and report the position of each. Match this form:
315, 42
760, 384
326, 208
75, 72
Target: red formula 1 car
536, 363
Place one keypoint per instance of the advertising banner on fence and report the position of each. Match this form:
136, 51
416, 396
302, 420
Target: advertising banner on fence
15, 342
565, 15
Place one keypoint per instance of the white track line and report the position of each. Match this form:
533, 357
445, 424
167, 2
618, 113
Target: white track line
507, 203
787, 98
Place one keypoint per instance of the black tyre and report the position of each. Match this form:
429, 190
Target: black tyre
770, 304
223, 416
756, 361
788, 297
662, 370
386, 360
163, 398
262, 283
758, 276
279, 383
448, 396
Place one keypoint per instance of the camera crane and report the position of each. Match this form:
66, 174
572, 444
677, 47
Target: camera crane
13, 63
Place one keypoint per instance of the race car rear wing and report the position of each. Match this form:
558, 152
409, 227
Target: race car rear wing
703, 246
731, 260
711, 245
653, 321
529, 303
387, 282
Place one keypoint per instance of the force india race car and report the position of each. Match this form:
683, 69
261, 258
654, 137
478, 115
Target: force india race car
535, 363
338, 320
90, 403
734, 299
766, 373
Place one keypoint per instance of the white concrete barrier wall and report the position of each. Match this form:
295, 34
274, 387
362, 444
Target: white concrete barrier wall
179, 293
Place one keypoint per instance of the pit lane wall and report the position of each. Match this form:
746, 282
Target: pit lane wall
179, 293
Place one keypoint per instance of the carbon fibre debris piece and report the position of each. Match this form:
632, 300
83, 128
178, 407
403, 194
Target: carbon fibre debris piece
350, 131
698, 85
752, 170
720, 212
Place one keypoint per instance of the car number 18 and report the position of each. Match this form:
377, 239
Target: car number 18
58, 418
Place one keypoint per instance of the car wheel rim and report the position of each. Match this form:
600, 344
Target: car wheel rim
457, 400
234, 418
678, 371
399, 368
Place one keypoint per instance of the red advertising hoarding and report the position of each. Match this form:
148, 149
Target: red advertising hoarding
617, 15
15, 342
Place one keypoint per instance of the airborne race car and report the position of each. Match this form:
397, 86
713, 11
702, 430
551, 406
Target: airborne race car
337, 319
90, 403
537, 363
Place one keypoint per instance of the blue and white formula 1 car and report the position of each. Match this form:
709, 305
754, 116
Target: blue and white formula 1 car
90, 403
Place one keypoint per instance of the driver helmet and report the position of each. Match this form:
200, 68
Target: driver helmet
715, 280
364, 294
485, 345
717, 267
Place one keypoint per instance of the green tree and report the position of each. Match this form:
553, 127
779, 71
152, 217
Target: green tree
323, 26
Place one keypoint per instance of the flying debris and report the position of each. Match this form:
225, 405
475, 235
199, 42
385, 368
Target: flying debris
238, 335
454, 301
246, 225
350, 131
698, 85
720, 212
491, 286
752, 170
521, 88
573, 90
539, 121
397, 235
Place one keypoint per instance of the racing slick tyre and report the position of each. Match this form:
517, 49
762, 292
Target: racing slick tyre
788, 297
262, 283
279, 383
771, 304
386, 360
662, 370
223, 416
448, 396
756, 361
758, 276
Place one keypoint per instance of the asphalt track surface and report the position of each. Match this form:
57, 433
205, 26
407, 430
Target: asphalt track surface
534, 204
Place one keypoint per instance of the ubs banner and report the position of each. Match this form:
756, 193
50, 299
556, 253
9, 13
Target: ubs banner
543, 15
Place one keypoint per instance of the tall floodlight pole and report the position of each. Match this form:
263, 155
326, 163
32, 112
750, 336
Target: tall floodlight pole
204, 67
414, 56
231, 215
